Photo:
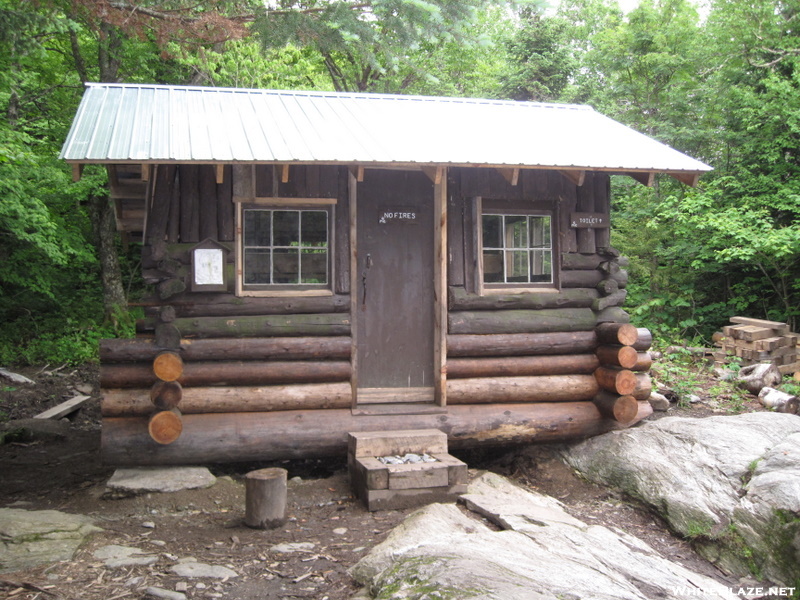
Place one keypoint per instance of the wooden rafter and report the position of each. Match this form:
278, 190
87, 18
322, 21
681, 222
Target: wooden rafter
510, 175
647, 178
575, 176
284, 173
358, 173
689, 179
435, 174
219, 171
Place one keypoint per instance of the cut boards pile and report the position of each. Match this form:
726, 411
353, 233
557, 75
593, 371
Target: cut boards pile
757, 341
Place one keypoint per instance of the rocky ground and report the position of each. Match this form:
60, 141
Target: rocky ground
65, 473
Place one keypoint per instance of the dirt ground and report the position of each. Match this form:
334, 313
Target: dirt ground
66, 474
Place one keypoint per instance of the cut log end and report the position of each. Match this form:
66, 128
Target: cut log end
624, 334
623, 409
166, 395
165, 426
618, 381
168, 366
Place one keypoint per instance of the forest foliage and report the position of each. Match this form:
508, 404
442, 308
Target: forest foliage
718, 81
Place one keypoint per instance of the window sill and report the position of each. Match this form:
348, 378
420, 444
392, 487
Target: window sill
519, 290
284, 293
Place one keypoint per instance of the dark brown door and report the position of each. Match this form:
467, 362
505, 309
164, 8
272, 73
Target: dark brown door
395, 304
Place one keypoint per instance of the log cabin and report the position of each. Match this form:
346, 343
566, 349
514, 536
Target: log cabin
325, 263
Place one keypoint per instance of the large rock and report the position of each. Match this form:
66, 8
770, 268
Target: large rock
142, 480
543, 553
33, 538
731, 483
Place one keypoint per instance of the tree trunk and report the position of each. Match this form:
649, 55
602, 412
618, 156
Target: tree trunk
104, 225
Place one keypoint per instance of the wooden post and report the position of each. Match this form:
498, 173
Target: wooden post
265, 498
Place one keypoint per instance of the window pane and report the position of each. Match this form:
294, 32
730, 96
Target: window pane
516, 232
286, 227
541, 266
257, 266
540, 232
493, 266
257, 227
314, 266
492, 226
286, 265
517, 266
314, 228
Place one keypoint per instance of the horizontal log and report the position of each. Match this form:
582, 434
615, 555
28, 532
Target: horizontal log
329, 324
581, 279
136, 403
545, 388
460, 299
573, 261
521, 344
607, 287
617, 356
521, 321
624, 334
618, 381
644, 362
644, 340
231, 437
568, 364
277, 348
612, 314
643, 387
133, 375
614, 299
228, 305
622, 409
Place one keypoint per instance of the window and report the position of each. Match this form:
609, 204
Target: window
285, 248
517, 249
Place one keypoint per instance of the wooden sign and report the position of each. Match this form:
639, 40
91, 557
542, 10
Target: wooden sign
397, 215
580, 220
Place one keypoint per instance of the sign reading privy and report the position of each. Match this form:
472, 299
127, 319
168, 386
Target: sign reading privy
397, 215
581, 220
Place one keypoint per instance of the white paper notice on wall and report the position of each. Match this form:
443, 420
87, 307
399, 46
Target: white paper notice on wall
208, 267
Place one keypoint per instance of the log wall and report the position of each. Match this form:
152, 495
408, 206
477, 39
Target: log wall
247, 368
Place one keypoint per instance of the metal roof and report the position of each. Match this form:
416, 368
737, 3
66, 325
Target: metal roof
137, 123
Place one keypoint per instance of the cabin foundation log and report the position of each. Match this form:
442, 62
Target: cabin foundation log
277, 348
133, 403
622, 409
210, 438
546, 388
580, 364
230, 373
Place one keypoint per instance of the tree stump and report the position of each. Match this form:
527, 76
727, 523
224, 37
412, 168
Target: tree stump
265, 498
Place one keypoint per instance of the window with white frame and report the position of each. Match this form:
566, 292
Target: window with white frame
517, 249
285, 248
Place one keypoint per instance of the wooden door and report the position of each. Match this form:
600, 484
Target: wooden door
395, 332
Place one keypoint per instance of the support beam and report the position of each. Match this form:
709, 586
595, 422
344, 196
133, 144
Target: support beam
510, 175
219, 171
689, 179
358, 173
284, 173
435, 174
145, 172
645, 178
576, 177
77, 171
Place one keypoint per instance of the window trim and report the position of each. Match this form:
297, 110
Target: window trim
285, 290
522, 208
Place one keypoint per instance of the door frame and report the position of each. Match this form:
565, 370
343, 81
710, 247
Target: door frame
438, 176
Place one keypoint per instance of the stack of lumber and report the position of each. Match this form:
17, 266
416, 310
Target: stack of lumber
755, 341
